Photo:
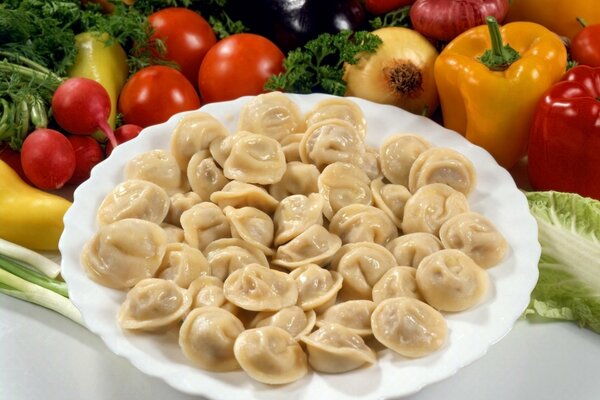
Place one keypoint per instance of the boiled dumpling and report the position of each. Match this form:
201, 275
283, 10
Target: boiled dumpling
255, 159
431, 206
391, 199
409, 327
361, 265
257, 288
204, 175
204, 223
329, 141
195, 132
295, 214
299, 178
342, 184
270, 355
315, 245
239, 194
449, 280
228, 255
397, 155
442, 165
207, 337
363, 223
253, 226
476, 236
317, 287
410, 249
159, 167
370, 162
272, 114
134, 199
123, 253
220, 148
353, 314
291, 147
292, 319
153, 304
338, 108
181, 202
397, 282
182, 264
206, 291
334, 348
174, 233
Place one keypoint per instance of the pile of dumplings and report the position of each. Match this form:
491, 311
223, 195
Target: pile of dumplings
292, 243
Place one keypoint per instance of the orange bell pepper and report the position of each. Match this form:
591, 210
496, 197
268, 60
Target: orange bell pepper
488, 91
559, 16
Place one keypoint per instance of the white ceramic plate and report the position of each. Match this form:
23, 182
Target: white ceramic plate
471, 333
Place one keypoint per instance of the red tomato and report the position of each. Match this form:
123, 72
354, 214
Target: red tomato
238, 65
585, 46
187, 37
378, 7
123, 134
155, 93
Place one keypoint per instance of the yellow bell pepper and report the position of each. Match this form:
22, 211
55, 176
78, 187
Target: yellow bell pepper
107, 65
28, 216
559, 16
491, 99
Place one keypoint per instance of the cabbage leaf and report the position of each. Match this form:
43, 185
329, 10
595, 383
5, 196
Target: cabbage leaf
569, 232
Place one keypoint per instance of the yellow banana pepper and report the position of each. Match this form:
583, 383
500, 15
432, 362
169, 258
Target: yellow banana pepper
559, 16
28, 216
107, 65
489, 91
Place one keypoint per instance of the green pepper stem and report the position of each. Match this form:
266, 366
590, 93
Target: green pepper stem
495, 36
500, 56
582, 22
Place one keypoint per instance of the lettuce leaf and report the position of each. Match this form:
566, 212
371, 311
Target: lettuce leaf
569, 232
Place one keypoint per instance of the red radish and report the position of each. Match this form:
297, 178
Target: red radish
87, 154
47, 158
81, 106
123, 134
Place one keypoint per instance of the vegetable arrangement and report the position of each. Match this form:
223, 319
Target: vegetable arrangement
77, 78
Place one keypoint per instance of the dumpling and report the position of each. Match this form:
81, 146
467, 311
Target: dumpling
182, 264
134, 199
239, 194
342, 184
329, 141
315, 245
291, 147
207, 337
195, 132
181, 202
397, 155
204, 175
123, 253
363, 223
371, 162
431, 206
272, 114
295, 214
203, 224
391, 199
397, 282
476, 236
361, 265
153, 304
449, 280
206, 291
442, 165
174, 233
255, 159
338, 108
352, 314
410, 249
270, 355
228, 255
257, 288
220, 148
299, 178
253, 226
159, 167
409, 327
292, 319
317, 287
334, 349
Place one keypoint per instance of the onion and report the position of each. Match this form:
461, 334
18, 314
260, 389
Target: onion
400, 72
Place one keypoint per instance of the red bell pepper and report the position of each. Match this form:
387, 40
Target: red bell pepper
564, 146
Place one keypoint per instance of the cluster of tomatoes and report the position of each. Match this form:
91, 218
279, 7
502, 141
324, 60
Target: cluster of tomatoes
209, 70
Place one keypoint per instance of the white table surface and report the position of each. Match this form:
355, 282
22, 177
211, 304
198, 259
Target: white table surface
46, 356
